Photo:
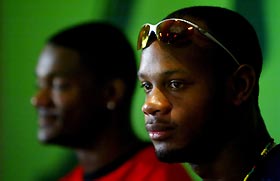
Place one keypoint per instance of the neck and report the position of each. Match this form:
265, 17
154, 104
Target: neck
92, 159
239, 154
108, 147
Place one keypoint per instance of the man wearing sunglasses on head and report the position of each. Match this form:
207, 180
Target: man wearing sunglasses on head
200, 70
83, 102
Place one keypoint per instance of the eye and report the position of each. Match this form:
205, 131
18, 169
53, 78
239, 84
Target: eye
176, 84
59, 84
39, 85
146, 86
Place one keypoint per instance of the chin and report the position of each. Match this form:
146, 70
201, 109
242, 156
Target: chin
168, 157
47, 136
45, 139
177, 154
169, 153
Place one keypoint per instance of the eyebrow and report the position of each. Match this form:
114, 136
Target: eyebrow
166, 73
58, 74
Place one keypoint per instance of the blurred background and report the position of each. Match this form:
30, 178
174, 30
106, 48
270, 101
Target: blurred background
24, 27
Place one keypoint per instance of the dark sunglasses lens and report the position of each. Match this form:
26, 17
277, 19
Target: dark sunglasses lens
174, 32
143, 37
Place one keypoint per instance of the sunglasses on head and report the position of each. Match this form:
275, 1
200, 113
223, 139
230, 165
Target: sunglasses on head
174, 31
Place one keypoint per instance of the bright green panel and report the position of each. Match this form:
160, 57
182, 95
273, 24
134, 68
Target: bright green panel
270, 80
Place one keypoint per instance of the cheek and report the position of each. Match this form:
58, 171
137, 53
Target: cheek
73, 113
67, 100
71, 107
193, 112
68, 106
190, 120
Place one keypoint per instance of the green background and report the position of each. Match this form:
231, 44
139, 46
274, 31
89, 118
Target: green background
24, 27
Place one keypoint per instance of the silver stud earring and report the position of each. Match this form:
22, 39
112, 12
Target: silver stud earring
111, 105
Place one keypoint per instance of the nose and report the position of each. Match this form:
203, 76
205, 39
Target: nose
156, 103
41, 99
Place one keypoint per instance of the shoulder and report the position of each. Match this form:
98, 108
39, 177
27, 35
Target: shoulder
270, 167
273, 159
75, 175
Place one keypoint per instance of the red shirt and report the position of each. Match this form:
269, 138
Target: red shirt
143, 166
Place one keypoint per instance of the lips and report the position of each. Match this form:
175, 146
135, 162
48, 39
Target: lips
159, 131
46, 113
45, 122
46, 118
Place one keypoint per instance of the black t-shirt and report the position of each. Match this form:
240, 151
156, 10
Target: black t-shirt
269, 168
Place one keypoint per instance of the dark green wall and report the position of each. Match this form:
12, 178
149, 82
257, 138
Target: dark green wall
25, 25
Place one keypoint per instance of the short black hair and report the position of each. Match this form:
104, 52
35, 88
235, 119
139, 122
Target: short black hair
233, 30
104, 50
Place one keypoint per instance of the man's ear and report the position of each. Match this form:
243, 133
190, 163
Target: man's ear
243, 83
114, 93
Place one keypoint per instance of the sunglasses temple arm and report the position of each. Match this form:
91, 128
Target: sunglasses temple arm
219, 43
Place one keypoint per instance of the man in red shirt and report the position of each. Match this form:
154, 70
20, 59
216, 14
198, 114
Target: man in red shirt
86, 77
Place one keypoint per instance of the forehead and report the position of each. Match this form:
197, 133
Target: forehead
58, 60
160, 57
